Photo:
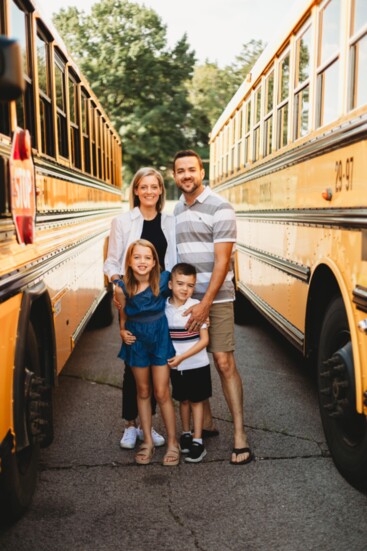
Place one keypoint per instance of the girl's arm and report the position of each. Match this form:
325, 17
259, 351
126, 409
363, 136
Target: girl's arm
197, 347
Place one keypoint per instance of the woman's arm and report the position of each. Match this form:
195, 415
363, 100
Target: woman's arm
169, 230
126, 336
116, 246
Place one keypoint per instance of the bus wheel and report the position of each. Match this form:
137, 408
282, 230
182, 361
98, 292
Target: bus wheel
19, 470
244, 312
345, 429
104, 314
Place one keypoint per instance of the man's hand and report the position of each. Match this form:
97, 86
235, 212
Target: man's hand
117, 292
199, 314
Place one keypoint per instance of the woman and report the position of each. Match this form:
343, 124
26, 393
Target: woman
144, 220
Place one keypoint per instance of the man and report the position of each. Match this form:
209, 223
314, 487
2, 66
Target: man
205, 234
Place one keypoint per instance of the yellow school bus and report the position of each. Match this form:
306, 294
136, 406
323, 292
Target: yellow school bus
60, 186
290, 153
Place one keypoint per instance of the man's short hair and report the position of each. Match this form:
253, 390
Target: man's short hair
187, 153
184, 268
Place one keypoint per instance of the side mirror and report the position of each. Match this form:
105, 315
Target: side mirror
11, 72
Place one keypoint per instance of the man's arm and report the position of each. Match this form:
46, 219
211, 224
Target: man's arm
200, 312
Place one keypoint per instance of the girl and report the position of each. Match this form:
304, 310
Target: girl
146, 219
146, 342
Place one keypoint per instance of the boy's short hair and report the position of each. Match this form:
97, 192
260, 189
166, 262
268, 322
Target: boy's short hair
183, 268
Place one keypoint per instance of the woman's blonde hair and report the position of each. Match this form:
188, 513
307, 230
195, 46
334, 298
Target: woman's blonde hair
131, 283
141, 173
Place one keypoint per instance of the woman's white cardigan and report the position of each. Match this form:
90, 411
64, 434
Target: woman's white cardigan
128, 227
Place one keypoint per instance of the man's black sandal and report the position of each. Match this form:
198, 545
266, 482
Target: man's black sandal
239, 451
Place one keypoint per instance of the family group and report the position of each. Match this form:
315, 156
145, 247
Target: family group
173, 285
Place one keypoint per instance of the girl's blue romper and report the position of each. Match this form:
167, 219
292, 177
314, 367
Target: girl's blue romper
147, 322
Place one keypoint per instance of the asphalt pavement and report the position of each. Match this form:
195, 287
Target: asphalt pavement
92, 497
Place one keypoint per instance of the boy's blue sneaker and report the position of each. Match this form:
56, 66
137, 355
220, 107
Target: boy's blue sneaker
185, 442
196, 454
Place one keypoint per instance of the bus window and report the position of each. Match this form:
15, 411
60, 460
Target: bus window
18, 30
85, 131
24, 104
62, 133
328, 66
239, 136
74, 122
92, 122
45, 102
99, 137
283, 100
302, 84
360, 15
256, 130
232, 138
268, 122
247, 133
358, 77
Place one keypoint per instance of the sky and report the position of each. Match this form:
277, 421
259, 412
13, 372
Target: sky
216, 29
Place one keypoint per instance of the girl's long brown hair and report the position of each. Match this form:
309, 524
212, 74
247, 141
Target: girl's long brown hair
131, 283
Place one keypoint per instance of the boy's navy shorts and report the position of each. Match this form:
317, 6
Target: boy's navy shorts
194, 385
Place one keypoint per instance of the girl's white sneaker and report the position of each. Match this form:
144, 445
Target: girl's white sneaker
158, 439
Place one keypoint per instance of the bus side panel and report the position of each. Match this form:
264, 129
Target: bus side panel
75, 289
9, 315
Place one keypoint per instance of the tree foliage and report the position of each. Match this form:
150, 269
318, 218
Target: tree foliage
121, 48
211, 87
156, 97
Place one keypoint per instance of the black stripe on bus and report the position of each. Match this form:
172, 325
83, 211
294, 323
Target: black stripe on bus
348, 133
360, 297
282, 324
351, 218
292, 268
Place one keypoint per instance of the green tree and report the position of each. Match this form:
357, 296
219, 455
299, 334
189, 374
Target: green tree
122, 50
211, 87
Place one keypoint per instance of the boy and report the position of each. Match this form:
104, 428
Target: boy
190, 369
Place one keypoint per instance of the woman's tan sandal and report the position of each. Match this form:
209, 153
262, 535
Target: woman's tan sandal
144, 454
171, 457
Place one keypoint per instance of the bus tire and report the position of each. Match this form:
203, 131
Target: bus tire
104, 314
244, 312
345, 429
20, 469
